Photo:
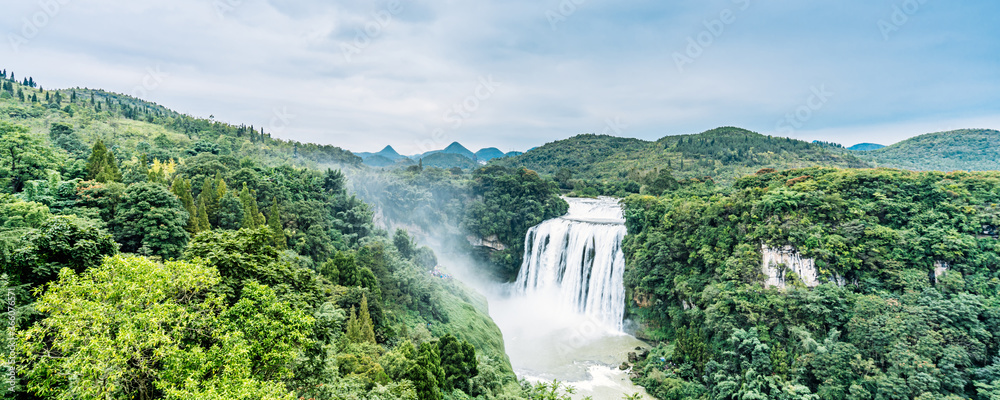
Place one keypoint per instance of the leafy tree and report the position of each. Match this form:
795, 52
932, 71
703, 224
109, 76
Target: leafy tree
162, 332
23, 157
458, 360
151, 221
61, 242
99, 321
230, 213
64, 137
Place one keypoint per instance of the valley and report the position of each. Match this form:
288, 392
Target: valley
748, 265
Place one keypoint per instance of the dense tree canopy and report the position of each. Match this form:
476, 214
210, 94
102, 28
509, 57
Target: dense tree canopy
884, 326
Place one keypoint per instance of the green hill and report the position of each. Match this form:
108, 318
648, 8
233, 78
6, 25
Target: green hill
866, 147
448, 160
959, 150
723, 154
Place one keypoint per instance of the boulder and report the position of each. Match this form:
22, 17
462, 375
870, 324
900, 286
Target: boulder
624, 366
632, 357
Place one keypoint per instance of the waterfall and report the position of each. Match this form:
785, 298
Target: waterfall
578, 260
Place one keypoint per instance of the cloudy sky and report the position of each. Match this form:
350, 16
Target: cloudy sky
516, 74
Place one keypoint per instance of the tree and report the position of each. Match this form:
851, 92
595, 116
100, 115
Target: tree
134, 328
252, 218
458, 360
360, 328
230, 212
102, 166
23, 156
151, 221
99, 321
182, 189
63, 136
208, 199
274, 224
201, 220
61, 242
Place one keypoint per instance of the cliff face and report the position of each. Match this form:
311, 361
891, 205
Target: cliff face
491, 242
780, 264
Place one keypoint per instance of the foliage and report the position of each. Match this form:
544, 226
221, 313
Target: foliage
723, 154
961, 150
883, 325
126, 329
510, 202
151, 221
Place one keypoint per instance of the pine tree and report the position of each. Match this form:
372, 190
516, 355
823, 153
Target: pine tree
208, 201
366, 327
278, 238
252, 218
201, 221
182, 189
353, 327
102, 165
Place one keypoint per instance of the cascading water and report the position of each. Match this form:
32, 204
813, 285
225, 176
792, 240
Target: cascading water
578, 258
562, 318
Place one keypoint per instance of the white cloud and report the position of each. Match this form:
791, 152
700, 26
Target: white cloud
604, 61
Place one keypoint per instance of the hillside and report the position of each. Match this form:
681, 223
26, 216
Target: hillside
723, 154
278, 262
866, 147
959, 150
448, 160
489, 154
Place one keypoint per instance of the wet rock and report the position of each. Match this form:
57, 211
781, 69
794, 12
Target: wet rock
643, 354
624, 366
632, 357
634, 376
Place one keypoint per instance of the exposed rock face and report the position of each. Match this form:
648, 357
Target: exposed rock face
940, 268
778, 263
491, 242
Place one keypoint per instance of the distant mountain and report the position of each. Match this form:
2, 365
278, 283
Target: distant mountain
387, 152
960, 150
513, 153
377, 160
448, 160
489, 154
723, 154
456, 148
865, 147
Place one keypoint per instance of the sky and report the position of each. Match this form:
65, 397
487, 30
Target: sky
516, 74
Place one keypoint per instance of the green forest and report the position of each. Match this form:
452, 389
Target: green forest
153, 255
891, 328
148, 254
